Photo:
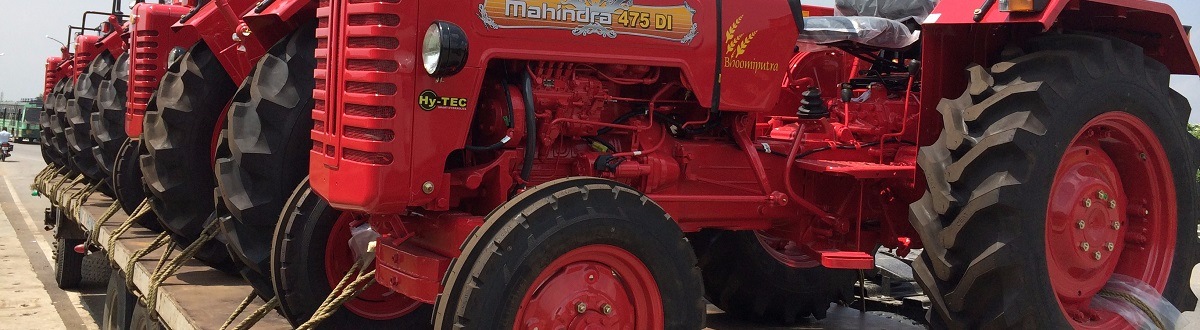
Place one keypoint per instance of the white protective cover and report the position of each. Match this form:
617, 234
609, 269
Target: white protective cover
870, 31
891, 9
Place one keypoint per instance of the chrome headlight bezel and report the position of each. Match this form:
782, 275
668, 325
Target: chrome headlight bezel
444, 50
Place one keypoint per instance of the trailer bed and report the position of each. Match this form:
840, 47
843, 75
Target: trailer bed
195, 297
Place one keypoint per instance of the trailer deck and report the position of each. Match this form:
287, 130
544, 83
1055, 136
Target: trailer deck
195, 297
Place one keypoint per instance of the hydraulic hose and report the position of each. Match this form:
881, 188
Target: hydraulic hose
530, 128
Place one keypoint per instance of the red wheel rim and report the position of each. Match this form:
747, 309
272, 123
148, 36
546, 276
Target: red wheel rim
376, 302
1114, 191
592, 287
787, 252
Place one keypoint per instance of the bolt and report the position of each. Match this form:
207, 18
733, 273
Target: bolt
427, 187
1112, 204
1146, 212
1081, 224
1097, 255
1110, 246
1087, 202
581, 307
1103, 196
1085, 246
591, 277
1142, 156
607, 309
1116, 225
246, 31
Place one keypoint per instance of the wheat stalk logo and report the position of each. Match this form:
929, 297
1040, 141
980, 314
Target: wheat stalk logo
735, 44
745, 43
732, 39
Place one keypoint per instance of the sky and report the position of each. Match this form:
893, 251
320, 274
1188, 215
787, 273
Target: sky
25, 23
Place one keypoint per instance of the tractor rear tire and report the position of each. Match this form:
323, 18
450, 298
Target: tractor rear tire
993, 248
268, 139
179, 133
58, 123
68, 264
108, 123
301, 280
49, 154
118, 304
79, 131
743, 279
128, 187
574, 239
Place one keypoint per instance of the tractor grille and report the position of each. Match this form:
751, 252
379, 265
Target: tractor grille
363, 81
85, 51
146, 69
355, 60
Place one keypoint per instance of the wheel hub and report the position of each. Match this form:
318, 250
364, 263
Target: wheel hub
592, 287
377, 302
1111, 211
1086, 224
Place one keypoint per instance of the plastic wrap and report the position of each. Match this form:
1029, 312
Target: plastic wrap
870, 31
361, 239
890, 9
1166, 313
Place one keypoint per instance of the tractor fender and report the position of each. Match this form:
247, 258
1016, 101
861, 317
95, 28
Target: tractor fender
219, 24
279, 16
1152, 25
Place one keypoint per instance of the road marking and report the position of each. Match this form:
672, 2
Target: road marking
28, 219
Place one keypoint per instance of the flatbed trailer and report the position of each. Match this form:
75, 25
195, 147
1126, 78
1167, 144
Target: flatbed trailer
200, 297
194, 297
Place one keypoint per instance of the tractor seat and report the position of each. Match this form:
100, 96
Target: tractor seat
871, 23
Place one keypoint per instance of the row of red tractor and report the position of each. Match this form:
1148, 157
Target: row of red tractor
550, 164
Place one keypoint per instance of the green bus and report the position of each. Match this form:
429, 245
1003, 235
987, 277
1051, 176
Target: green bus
21, 118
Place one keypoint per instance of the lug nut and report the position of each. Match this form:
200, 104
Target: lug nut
1087, 202
1102, 195
581, 307
1085, 246
427, 187
1097, 255
1110, 246
1112, 204
607, 309
1081, 224
1116, 225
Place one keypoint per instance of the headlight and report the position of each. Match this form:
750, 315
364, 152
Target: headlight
444, 51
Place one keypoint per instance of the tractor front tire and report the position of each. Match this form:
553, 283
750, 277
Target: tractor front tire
128, 187
1055, 170
310, 254
179, 133
745, 280
268, 139
599, 249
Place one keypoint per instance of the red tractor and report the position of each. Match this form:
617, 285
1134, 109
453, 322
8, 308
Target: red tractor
545, 164
183, 151
157, 110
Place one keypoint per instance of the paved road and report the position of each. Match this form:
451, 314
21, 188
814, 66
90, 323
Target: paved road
31, 298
